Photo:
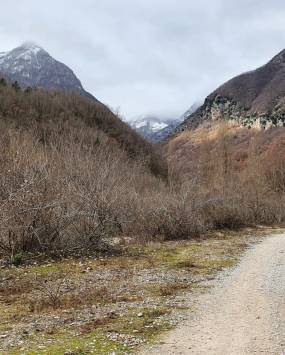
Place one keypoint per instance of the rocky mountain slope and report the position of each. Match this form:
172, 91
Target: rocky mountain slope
255, 98
191, 110
31, 66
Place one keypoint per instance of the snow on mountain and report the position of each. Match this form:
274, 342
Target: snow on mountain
31, 66
152, 123
139, 124
154, 129
159, 126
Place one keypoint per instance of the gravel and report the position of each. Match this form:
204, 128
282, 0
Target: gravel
244, 313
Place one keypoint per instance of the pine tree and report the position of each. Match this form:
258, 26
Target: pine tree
3, 82
16, 86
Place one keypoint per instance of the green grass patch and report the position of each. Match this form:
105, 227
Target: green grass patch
45, 269
147, 323
94, 343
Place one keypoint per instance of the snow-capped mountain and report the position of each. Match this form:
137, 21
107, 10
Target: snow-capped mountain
154, 129
31, 66
152, 124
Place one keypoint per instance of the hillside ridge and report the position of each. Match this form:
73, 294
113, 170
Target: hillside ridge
253, 99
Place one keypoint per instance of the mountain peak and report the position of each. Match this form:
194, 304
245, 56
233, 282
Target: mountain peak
31, 66
30, 46
26, 52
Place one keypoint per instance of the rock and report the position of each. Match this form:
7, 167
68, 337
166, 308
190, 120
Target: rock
112, 315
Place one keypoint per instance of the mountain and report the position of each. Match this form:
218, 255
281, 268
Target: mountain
31, 66
52, 115
154, 129
164, 133
253, 99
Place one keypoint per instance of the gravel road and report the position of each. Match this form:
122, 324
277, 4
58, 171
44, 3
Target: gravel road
243, 314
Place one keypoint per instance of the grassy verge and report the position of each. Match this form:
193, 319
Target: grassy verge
110, 305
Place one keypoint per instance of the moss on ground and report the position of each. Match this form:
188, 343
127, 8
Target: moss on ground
197, 259
95, 343
145, 322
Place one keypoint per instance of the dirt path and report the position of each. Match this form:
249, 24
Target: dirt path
244, 314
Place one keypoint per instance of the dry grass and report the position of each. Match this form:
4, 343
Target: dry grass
171, 289
135, 300
69, 192
70, 188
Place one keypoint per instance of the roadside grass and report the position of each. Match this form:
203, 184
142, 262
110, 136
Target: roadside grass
144, 322
111, 305
94, 343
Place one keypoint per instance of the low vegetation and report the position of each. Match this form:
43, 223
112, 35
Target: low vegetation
111, 304
237, 175
72, 175
75, 180
105, 243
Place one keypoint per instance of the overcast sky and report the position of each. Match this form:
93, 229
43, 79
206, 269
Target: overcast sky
149, 57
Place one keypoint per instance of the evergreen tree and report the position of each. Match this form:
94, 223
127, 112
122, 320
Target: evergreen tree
3, 82
16, 86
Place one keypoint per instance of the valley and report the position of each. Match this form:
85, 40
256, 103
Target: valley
114, 233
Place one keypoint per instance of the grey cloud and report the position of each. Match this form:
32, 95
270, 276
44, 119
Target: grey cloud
149, 57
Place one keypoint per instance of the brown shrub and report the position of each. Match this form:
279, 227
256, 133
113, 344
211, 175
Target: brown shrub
73, 178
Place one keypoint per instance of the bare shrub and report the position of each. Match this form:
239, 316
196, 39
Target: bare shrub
73, 179
172, 214
58, 197
50, 291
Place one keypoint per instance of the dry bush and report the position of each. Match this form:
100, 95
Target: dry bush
61, 292
73, 178
58, 198
70, 195
71, 174
170, 213
70, 112
233, 195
